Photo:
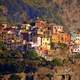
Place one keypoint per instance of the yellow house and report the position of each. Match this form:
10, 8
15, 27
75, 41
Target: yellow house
25, 27
46, 43
55, 38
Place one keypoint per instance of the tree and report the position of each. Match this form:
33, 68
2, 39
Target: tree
56, 62
49, 76
2, 46
47, 10
21, 67
14, 77
62, 45
31, 54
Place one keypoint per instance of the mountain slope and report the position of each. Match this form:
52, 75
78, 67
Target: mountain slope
71, 14
18, 10
68, 11
63, 12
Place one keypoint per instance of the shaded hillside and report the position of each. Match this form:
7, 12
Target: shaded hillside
19, 10
63, 12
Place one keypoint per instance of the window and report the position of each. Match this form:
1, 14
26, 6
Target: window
47, 39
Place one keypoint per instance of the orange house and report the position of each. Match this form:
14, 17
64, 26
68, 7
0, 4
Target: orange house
66, 38
40, 24
61, 38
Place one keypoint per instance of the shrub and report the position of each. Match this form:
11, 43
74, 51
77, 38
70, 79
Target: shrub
62, 45
56, 62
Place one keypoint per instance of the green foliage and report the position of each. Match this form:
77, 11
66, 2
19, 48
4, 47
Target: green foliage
41, 59
14, 77
77, 56
35, 3
58, 19
31, 54
2, 46
56, 62
14, 54
47, 11
62, 45
21, 67
49, 75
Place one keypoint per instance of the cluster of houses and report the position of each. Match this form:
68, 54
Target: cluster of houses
38, 35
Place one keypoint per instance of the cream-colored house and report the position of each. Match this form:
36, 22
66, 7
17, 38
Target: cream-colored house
46, 43
76, 49
57, 29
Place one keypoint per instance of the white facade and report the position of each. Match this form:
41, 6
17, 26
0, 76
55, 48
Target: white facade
9, 32
38, 41
76, 49
75, 36
37, 44
24, 42
77, 39
5, 25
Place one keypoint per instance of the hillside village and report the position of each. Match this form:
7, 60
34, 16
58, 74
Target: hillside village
50, 41
39, 39
41, 36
